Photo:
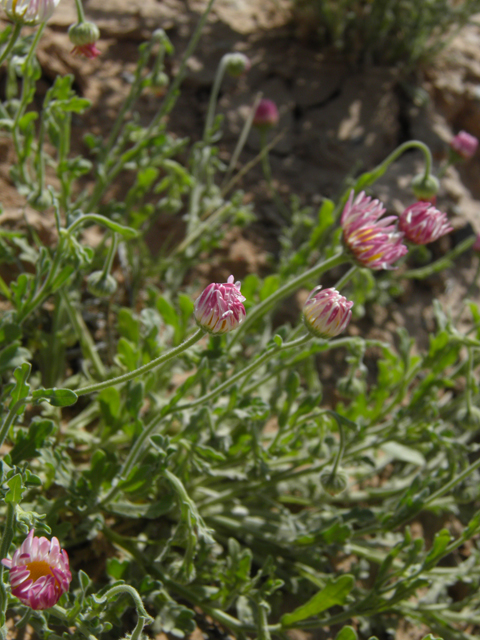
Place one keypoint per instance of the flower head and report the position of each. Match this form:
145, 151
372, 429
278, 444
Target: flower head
236, 64
425, 187
326, 313
219, 307
423, 223
266, 116
374, 241
464, 145
84, 36
39, 572
29, 11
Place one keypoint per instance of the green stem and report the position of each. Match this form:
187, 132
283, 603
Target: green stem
8, 533
442, 263
135, 91
111, 255
173, 353
14, 37
80, 11
380, 169
242, 139
214, 97
83, 335
244, 372
346, 277
10, 418
257, 312
44, 290
167, 105
267, 174
341, 449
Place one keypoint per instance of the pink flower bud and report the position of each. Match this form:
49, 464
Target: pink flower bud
84, 36
464, 144
219, 307
266, 115
423, 223
372, 240
326, 313
39, 572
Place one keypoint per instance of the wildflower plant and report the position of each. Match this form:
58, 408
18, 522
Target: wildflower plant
247, 460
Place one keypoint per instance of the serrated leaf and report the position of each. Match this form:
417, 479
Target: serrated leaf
15, 489
335, 592
29, 442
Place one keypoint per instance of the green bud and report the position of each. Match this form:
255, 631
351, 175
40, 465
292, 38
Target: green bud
83, 33
425, 188
333, 484
41, 201
236, 64
101, 285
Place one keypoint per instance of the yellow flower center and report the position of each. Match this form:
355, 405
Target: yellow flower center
38, 569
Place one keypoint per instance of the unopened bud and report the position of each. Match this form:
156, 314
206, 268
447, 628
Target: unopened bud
236, 64
102, 285
266, 115
425, 188
83, 33
333, 483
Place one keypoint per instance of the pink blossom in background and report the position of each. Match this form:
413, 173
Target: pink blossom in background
373, 241
464, 144
219, 307
423, 223
39, 572
266, 115
326, 313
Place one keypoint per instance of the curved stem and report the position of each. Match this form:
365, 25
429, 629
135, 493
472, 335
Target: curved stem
111, 255
288, 288
14, 37
146, 367
341, 449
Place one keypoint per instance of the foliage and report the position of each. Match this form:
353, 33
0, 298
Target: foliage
218, 481
386, 31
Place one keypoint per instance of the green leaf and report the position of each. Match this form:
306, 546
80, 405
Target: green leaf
151, 510
440, 543
345, 422
16, 489
21, 389
335, 592
401, 452
29, 442
347, 633
13, 356
55, 397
